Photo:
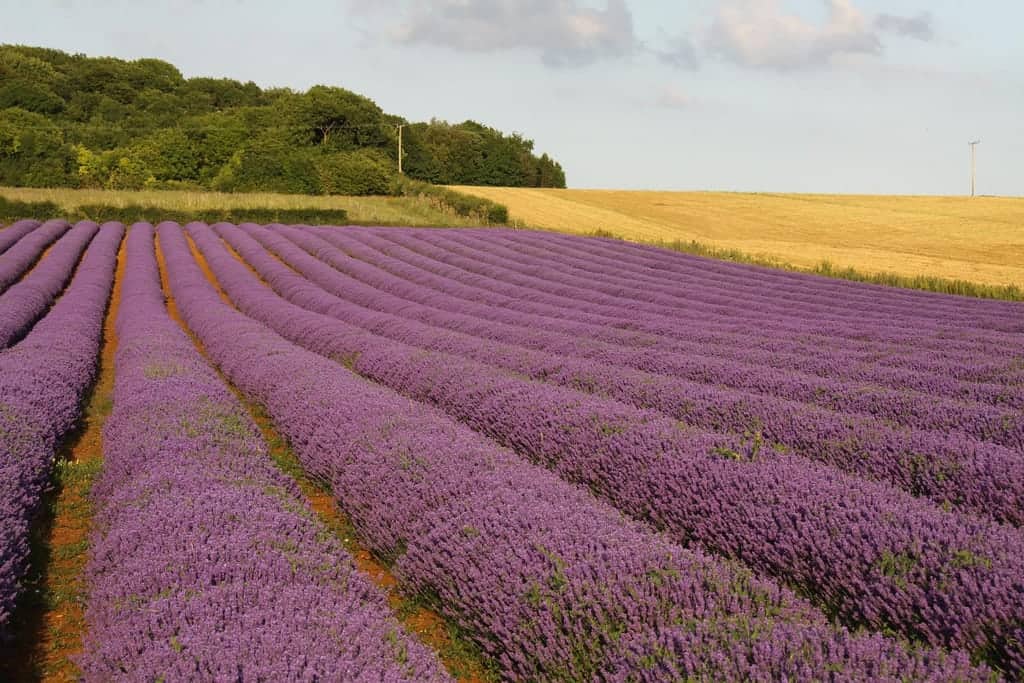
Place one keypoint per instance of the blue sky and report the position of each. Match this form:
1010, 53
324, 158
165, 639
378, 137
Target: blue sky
764, 95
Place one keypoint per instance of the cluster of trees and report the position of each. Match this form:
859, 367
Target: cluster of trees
71, 120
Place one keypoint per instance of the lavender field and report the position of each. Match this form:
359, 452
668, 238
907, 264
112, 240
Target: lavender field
586, 459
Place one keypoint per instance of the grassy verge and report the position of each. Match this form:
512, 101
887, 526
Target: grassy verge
480, 209
412, 210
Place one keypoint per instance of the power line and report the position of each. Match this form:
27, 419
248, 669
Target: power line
973, 145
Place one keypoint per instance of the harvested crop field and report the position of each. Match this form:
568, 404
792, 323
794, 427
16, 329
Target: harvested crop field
490, 454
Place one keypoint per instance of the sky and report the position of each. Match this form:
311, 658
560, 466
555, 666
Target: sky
845, 96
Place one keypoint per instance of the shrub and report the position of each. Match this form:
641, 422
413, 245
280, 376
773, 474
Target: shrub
354, 173
269, 164
135, 213
479, 208
13, 210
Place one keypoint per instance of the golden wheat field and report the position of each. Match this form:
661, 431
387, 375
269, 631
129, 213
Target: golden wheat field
980, 239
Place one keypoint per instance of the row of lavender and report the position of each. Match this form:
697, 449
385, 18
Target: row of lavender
750, 298
27, 300
550, 581
620, 284
702, 361
865, 551
205, 563
682, 640
833, 537
485, 276
23, 254
14, 232
955, 468
752, 280
42, 381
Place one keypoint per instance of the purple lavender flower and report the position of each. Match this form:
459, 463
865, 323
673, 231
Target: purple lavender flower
205, 563
42, 381
546, 578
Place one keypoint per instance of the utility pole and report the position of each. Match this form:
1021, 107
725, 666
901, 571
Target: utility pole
973, 145
400, 127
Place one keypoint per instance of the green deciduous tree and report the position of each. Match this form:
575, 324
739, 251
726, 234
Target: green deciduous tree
270, 164
33, 151
333, 118
111, 122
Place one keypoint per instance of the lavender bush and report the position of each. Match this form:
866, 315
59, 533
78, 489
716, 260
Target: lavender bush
943, 317
703, 303
425, 284
667, 333
20, 257
901, 406
547, 579
14, 232
753, 280
23, 303
42, 381
206, 564
831, 535
948, 468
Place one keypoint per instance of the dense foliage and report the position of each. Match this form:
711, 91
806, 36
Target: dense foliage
76, 121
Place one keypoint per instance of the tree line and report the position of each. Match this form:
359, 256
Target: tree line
67, 120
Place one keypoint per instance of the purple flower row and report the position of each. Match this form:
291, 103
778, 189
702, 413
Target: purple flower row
1001, 426
560, 295
493, 284
548, 580
706, 302
750, 278
922, 462
20, 257
42, 381
694, 360
23, 303
983, 478
205, 563
14, 232
753, 297
867, 552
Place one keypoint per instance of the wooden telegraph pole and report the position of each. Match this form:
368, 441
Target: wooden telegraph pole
400, 127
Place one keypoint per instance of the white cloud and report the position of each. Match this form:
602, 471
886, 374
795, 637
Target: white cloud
562, 32
760, 34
